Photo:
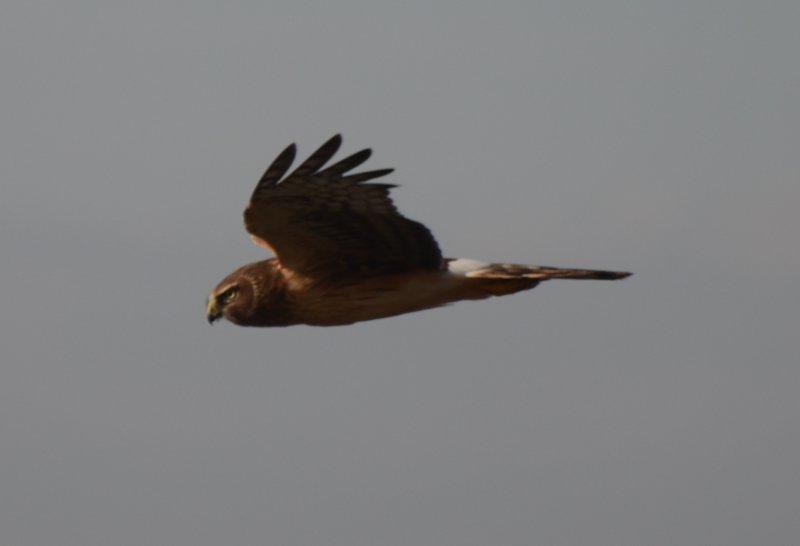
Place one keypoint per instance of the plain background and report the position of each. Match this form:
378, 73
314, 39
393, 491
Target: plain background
656, 137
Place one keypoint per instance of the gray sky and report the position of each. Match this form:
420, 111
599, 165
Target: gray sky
657, 137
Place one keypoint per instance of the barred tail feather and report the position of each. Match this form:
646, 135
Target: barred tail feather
543, 273
480, 280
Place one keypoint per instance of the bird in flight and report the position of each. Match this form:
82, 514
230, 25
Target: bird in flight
344, 254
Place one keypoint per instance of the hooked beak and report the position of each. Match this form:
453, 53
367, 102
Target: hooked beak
212, 312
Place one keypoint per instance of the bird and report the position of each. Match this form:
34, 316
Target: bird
344, 254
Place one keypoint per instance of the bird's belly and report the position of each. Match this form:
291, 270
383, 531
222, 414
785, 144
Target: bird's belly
380, 297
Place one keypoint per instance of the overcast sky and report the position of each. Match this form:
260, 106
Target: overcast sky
657, 137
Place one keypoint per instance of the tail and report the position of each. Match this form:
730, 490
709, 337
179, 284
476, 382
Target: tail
501, 279
543, 273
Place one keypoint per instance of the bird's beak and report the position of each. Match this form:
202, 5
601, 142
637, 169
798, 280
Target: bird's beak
212, 312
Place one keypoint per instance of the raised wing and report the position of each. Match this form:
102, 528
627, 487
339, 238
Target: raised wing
324, 222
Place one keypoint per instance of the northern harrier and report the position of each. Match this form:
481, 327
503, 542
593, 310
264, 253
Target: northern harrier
344, 253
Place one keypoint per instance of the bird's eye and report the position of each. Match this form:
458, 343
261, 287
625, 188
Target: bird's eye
229, 295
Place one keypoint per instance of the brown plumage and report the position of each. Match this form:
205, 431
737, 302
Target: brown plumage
344, 254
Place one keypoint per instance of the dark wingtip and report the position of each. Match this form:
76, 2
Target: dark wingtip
321, 156
334, 142
278, 167
369, 175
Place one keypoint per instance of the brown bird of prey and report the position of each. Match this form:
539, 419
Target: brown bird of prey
344, 254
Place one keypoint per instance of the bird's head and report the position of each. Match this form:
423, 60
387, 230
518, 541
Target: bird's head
247, 297
235, 298
223, 300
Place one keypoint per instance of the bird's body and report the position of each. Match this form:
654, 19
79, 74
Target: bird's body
345, 255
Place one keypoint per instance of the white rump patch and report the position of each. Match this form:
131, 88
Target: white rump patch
464, 266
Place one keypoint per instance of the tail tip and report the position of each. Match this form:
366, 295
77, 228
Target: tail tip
615, 275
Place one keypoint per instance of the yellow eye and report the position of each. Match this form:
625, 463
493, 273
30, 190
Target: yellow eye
229, 295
